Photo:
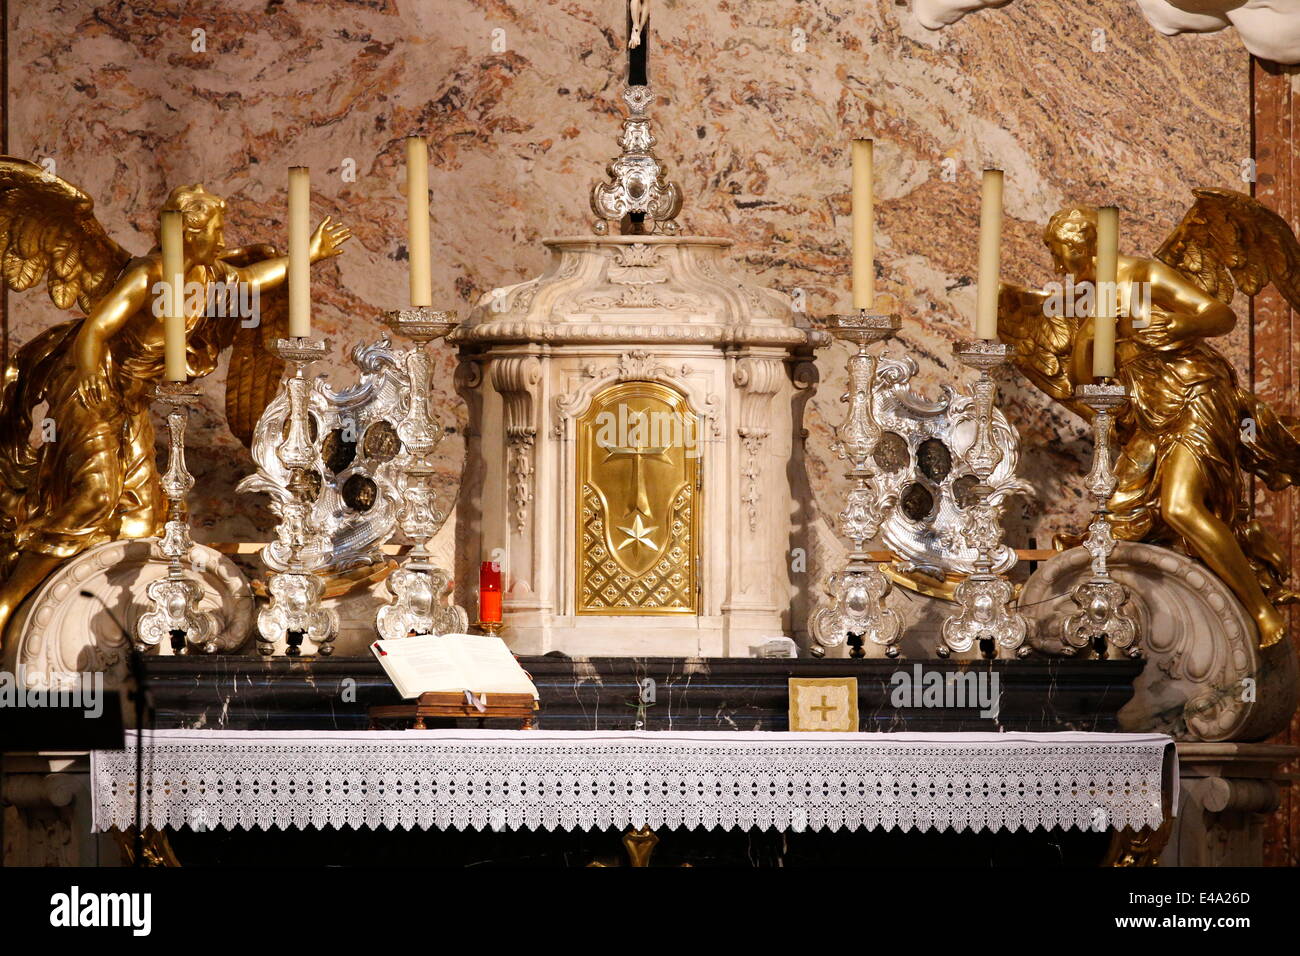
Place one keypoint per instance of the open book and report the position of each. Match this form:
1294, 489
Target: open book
476, 663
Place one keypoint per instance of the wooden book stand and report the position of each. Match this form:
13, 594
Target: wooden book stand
519, 707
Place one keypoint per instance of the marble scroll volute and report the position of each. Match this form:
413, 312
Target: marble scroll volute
84, 615
1206, 678
593, 564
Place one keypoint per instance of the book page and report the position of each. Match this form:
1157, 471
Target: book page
491, 668
417, 665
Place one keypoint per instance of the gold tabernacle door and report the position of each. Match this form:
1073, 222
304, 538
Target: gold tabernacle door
638, 486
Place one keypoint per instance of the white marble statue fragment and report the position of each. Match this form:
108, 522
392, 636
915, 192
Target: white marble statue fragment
1270, 29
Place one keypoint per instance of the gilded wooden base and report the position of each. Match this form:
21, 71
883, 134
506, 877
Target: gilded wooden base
155, 848
640, 846
1140, 848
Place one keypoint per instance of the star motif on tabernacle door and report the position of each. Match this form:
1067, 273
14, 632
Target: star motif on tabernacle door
639, 534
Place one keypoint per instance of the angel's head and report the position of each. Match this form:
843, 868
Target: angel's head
205, 220
1071, 237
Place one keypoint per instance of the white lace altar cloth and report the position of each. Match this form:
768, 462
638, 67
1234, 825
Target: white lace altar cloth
569, 780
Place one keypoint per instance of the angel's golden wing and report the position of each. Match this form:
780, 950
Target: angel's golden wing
1043, 341
1228, 237
48, 230
255, 371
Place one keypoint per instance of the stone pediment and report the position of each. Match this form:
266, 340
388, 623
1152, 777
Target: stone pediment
637, 289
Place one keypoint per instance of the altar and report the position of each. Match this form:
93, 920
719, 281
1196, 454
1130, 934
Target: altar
906, 500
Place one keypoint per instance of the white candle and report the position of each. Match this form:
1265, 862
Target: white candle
173, 273
299, 252
417, 218
864, 230
1103, 325
986, 303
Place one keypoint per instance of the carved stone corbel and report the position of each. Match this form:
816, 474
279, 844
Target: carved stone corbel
516, 380
466, 380
758, 380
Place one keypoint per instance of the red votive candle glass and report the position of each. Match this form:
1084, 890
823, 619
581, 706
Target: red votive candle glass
489, 592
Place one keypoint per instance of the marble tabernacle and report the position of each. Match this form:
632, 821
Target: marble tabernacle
633, 414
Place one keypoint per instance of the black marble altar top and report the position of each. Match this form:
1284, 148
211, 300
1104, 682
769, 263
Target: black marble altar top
248, 693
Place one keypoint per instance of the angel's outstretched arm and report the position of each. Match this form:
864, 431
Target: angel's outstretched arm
326, 241
246, 255
1179, 311
128, 296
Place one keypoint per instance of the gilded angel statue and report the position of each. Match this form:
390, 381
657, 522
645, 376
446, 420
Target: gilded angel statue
1189, 432
96, 478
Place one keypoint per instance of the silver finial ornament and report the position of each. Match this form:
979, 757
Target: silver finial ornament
1103, 619
986, 616
858, 589
174, 600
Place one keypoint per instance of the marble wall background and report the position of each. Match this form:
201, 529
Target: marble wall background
519, 101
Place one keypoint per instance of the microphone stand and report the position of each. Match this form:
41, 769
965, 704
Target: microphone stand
135, 668
136, 665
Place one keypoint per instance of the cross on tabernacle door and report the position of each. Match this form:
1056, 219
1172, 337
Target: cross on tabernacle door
637, 453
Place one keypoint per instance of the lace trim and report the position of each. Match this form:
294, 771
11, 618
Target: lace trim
553, 780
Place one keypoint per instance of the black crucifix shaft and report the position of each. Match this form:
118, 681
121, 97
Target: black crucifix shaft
637, 56
637, 75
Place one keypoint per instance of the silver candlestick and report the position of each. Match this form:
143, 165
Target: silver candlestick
417, 587
858, 590
174, 600
986, 614
294, 621
1102, 618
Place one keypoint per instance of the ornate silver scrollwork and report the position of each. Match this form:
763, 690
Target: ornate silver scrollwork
986, 614
174, 600
418, 587
1102, 618
857, 591
294, 621
922, 451
637, 181
356, 458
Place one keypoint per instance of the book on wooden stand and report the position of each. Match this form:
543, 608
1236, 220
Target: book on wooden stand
454, 675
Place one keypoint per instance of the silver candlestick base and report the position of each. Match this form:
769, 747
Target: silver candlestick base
857, 591
174, 600
638, 183
418, 587
986, 614
294, 622
1102, 620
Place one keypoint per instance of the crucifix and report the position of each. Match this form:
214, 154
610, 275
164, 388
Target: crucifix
638, 54
637, 196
